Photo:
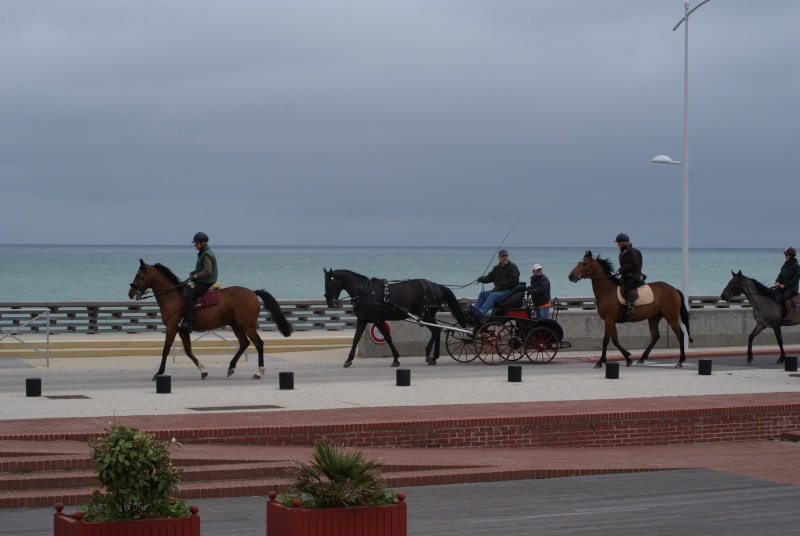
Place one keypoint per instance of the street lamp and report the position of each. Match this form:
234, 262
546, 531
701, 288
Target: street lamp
663, 159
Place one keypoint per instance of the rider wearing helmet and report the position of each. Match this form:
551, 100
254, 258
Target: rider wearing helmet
630, 269
205, 274
787, 282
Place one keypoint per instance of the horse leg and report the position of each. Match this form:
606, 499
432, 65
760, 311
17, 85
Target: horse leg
654, 336
676, 328
626, 354
758, 329
252, 333
436, 341
186, 339
243, 344
170, 338
360, 326
779, 336
388, 337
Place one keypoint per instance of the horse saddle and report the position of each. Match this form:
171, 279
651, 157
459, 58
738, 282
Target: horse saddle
645, 295
209, 298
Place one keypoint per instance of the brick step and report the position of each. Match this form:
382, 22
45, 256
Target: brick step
793, 436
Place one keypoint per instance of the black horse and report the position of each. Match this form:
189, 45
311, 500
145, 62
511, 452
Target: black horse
767, 311
377, 300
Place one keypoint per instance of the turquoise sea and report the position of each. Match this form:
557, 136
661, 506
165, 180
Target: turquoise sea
39, 273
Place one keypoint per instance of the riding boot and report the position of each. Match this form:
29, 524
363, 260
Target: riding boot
187, 324
630, 312
787, 309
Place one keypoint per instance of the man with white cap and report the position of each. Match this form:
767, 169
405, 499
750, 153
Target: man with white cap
505, 276
540, 292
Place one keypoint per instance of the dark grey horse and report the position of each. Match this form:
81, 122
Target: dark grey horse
767, 312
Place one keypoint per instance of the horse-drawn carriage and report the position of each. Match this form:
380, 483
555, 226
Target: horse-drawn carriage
509, 333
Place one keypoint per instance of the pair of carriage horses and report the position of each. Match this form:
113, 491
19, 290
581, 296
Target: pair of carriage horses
377, 301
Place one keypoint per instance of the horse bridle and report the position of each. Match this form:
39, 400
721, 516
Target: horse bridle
140, 292
733, 291
352, 299
143, 293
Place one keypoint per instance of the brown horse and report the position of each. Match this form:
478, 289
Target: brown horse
667, 303
238, 308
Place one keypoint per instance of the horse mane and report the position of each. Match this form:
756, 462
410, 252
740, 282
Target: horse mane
606, 265
762, 288
167, 273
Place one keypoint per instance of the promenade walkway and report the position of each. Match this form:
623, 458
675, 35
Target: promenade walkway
513, 482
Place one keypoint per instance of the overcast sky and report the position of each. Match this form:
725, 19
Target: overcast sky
397, 122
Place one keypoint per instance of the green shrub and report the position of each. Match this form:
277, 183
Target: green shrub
337, 477
138, 477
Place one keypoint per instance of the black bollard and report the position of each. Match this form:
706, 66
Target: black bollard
790, 365
286, 381
403, 377
704, 367
515, 373
612, 371
33, 386
164, 384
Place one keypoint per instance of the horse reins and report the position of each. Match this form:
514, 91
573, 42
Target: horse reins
142, 294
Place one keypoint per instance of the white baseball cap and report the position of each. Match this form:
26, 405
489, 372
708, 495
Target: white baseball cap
537, 267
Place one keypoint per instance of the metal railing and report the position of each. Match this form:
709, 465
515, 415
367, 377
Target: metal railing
144, 316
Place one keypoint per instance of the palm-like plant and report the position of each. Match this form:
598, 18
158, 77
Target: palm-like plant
337, 477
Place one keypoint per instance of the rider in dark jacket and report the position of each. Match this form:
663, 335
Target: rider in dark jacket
630, 269
787, 282
205, 274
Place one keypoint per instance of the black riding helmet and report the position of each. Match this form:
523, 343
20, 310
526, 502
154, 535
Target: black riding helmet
200, 237
622, 237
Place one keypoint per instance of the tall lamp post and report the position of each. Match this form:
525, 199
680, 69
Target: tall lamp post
662, 159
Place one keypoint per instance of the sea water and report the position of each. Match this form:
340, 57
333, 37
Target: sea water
41, 273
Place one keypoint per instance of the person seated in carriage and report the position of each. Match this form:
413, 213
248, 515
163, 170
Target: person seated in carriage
204, 276
787, 282
630, 269
540, 292
504, 277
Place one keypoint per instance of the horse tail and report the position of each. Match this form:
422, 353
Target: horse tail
685, 315
278, 317
455, 307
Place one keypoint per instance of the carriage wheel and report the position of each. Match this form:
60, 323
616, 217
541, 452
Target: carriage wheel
541, 345
459, 346
493, 343
516, 342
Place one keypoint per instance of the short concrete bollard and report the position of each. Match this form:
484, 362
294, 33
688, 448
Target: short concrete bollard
790, 364
403, 377
612, 371
164, 384
515, 373
33, 387
286, 381
704, 367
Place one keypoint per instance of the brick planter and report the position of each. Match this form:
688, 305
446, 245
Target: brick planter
73, 525
387, 520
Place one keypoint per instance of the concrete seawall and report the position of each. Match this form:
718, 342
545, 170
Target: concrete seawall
724, 327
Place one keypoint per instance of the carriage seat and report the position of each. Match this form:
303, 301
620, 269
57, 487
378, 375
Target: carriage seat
514, 299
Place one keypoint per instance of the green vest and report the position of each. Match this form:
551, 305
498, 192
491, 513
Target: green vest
210, 280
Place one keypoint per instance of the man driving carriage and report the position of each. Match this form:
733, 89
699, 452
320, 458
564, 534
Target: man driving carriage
630, 269
504, 276
787, 282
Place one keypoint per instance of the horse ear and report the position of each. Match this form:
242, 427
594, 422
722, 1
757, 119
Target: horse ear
588, 253
142, 264
740, 273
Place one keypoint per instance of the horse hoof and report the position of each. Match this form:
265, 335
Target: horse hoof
347, 364
628, 362
230, 372
255, 377
396, 363
779, 361
428, 359
432, 362
640, 362
204, 375
679, 365
599, 364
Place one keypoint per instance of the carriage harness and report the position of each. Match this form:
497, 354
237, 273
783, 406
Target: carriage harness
380, 296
